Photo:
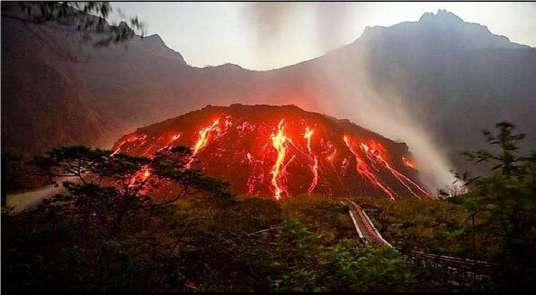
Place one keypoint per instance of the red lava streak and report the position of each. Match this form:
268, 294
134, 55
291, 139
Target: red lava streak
404, 180
279, 141
409, 163
314, 167
362, 168
202, 141
261, 154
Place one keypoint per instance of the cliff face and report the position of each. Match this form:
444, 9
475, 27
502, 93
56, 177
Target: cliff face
282, 151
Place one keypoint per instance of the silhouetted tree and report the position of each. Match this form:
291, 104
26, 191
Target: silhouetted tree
105, 191
104, 231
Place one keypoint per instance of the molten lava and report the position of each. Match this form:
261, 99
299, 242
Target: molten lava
203, 137
202, 141
404, 180
279, 141
281, 151
362, 168
409, 163
314, 167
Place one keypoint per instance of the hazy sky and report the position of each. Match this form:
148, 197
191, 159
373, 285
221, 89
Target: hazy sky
271, 35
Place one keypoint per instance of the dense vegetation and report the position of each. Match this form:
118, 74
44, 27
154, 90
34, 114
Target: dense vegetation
107, 232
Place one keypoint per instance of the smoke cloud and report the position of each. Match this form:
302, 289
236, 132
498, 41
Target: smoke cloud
273, 24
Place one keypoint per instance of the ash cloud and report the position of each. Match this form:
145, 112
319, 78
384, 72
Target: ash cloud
270, 19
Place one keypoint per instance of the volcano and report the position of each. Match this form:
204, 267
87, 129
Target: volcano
281, 151
436, 76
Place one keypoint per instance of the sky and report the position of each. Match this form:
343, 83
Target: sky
262, 36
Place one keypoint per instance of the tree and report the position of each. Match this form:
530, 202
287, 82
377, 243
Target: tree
89, 19
301, 262
107, 191
504, 200
109, 229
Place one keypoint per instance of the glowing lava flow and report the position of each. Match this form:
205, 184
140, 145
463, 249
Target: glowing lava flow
117, 150
331, 156
362, 169
409, 163
279, 143
314, 168
202, 141
143, 174
307, 135
146, 173
173, 138
128, 140
204, 136
260, 154
403, 179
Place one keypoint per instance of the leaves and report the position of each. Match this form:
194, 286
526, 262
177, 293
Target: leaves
504, 199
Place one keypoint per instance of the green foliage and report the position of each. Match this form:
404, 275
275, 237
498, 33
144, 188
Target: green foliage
303, 263
298, 258
368, 269
434, 226
505, 199
330, 217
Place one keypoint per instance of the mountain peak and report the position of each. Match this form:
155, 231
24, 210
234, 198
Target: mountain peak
157, 46
154, 39
442, 15
436, 32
